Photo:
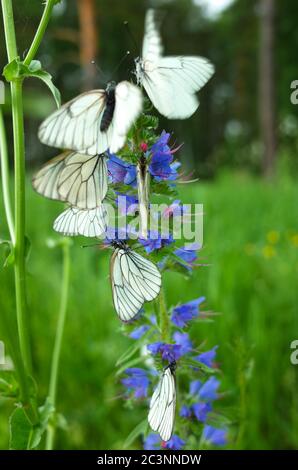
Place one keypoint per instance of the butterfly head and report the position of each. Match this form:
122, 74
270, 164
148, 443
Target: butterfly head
119, 244
139, 69
111, 86
172, 366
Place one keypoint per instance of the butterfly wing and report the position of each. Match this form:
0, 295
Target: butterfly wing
89, 223
45, 181
78, 179
83, 181
76, 125
171, 82
162, 405
128, 105
152, 45
134, 281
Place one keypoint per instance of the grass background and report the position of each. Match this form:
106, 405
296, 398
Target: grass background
251, 243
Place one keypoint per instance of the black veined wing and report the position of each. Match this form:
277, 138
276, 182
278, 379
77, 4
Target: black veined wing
45, 181
161, 415
143, 183
87, 222
78, 179
135, 280
83, 181
94, 121
170, 82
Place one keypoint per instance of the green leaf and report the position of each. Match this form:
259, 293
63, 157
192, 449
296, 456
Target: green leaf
128, 364
139, 430
47, 79
9, 253
20, 430
46, 413
132, 350
8, 384
17, 70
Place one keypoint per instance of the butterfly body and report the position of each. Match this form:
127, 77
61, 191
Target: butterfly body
110, 107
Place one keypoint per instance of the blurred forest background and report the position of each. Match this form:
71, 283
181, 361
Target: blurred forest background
242, 145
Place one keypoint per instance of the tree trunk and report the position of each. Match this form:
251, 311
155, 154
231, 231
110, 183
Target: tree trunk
267, 86
88, 43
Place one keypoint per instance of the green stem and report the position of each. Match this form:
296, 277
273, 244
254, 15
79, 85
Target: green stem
19, 247
58, 340
40, 31
165, 326
19, 160
5, 178
10, 36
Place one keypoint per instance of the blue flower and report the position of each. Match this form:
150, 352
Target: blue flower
185, 411
188, 256
161, 165
152, 442
139, 332
207, 357
201, 411
194, 387
136, 381
183, 340
121, 171
208, 391
215, 436
128, 204
155, 241
175, 443
155, 348
184, 313
169, 352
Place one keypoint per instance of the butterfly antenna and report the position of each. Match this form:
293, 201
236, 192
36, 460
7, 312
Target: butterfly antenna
127, 53
132, 37
100, 71
89, 246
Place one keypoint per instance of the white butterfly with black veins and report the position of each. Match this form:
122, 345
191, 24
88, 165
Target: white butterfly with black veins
79, 179
163, 404
135, 280
87, 222
94, 121
170, 82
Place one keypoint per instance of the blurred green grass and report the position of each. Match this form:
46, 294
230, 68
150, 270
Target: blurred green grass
251, 243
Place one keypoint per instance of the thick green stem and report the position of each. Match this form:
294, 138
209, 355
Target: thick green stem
5, 179
164, 319
19, 247
10, 36
40, 31
19, 161
58, 340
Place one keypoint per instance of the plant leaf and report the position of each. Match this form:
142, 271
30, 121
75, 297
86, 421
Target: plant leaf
9, 253
46, 413
140, 429
17, 70
20, 430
